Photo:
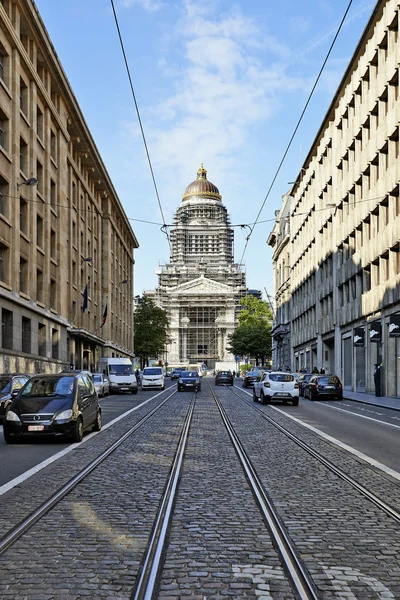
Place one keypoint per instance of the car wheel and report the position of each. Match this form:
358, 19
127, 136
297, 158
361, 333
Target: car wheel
77, 434
255, 399
97, 423
262, 398
179, 389
163, 387
295, 401
134, 391
9, 439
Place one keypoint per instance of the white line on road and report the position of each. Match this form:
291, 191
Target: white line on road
17, 480
362, 416
367, 459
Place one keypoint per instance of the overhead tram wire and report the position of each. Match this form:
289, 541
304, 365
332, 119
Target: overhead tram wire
296, 128
164, 225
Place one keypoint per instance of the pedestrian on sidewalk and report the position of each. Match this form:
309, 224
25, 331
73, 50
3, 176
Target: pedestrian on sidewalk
377, 379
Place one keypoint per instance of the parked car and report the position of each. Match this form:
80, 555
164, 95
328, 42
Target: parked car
176, 373
189, 380
9, 382
276, 386
153, 377
323, 387
250, 378
101, 384
224, 378
63, 404
302, 381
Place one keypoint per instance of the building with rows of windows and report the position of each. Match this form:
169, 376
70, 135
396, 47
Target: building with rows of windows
67, 233
201, 287
345, 222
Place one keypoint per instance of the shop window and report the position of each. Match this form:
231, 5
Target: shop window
6, 329
26, 335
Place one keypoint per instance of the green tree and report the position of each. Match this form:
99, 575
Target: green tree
150, 330
254, 311
252, 337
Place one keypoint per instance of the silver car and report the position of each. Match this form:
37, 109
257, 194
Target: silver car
101, 384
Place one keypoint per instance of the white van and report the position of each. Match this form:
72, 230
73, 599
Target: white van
120, 374
153, 377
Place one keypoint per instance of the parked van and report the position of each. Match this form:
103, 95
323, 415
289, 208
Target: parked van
153, 377
120, 374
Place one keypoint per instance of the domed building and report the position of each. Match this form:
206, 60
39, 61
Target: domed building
200, 287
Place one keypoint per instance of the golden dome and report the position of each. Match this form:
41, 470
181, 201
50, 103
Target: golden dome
202, 187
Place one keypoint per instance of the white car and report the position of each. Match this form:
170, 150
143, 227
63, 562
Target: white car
153, 377
101, 384
276, 386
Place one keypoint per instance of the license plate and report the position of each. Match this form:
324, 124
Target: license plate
189, 384
282, 394
35, 427
329, 387
123, 389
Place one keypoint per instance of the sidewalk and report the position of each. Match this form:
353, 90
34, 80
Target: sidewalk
383, 401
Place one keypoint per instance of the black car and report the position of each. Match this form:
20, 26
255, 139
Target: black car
8, 384
176, 373
323, 387
189, 380
250, 378
302, 382
63, 404
224, 378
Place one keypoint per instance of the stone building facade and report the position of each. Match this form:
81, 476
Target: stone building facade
279, 240
345, 222
201, 287
66, 233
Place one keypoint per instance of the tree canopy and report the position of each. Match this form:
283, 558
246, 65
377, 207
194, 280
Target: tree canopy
252, 337
150, 330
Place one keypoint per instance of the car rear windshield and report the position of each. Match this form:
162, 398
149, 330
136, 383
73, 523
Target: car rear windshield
48, 386
153, 371
224, 373
330, 380
281, 377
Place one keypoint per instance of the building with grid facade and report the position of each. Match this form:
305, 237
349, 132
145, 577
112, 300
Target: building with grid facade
201, 286
68, 233
345, 222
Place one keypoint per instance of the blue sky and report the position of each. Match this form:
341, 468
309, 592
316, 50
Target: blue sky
217, 82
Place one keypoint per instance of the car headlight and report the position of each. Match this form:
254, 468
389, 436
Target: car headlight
180, 380
65, 414
12, 416
197, 381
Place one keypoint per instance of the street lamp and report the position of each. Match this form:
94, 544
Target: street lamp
30, 181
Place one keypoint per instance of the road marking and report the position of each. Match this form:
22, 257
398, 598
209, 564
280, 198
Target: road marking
261, 575
17, 480
367, 459
362, 416
340, 576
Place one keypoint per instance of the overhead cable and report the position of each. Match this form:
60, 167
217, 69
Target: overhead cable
296, 128
140, 122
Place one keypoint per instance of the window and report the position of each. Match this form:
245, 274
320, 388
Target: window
23, 155
53, 294
42, 339
39, 286
3, 65
23, 275
3, 197
367, 279
26, 335
3, 130
23, 96
53, 194
39, 231
53, 244
53, 145
4, 263
39, 122
74, 272
39, 176
74, 233
54, 343
6, 329
23, 216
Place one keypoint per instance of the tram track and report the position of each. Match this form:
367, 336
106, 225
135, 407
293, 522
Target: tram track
375, 499
15, 533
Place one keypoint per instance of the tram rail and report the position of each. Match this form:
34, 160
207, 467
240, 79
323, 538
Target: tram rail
15, 533
379, 502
